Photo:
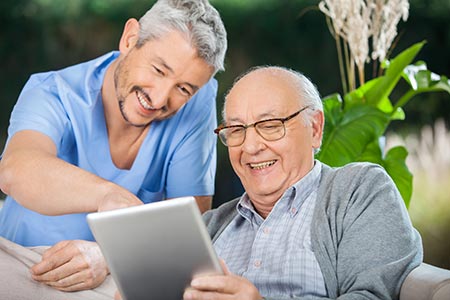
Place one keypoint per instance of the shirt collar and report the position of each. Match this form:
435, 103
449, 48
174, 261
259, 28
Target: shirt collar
295, 195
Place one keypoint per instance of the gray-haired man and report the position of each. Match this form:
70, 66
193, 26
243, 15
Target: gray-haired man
130, 127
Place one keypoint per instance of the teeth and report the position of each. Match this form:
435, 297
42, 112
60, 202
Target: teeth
143, 101
262, 165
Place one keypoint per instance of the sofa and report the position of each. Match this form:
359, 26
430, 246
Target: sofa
426, 282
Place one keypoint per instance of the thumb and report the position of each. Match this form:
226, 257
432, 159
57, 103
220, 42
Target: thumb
117, 296
225, 269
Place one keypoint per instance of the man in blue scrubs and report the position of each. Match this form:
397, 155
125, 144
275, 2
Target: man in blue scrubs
130, 127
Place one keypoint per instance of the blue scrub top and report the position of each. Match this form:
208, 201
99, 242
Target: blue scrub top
177, 157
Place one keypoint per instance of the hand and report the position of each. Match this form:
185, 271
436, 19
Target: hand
117, 296
217, 287
71, 266
118, 197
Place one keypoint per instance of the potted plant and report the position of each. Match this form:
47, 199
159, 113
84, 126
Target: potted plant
357, 121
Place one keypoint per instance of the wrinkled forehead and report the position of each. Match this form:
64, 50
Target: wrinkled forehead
263, 91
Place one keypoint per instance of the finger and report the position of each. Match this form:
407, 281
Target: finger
78, 281
217, 283
224, 266
65, 278
117, 296
53, 260
56, 256
192, 294
73, 288
55, 248
74, 265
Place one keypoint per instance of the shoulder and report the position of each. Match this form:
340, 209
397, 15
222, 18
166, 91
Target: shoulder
80, 79
217, 218
353, 173
205, 98
199, 111
356, 183
209, 89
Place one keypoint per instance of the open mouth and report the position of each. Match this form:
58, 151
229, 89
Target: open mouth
144, 100
261, 165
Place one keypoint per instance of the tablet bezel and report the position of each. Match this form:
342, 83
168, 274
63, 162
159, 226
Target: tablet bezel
154, 250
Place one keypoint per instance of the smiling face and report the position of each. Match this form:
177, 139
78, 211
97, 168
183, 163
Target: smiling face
267, 169
154, 81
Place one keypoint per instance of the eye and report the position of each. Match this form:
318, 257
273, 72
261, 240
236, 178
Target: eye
236, 130
158, 70
185, 91
270, 126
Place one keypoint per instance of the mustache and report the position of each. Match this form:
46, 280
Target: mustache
140, 90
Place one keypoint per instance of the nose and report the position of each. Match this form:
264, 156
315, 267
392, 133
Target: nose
253, 142
160, 95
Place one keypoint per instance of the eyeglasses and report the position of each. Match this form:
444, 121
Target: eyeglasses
270, 130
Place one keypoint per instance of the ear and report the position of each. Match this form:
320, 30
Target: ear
317, 128
130, 36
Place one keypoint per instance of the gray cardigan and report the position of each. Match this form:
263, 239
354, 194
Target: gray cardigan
361, 233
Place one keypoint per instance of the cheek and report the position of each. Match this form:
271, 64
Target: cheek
234, 158
293, 150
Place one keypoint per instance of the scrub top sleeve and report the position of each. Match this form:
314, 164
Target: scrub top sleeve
193, 165
39, 108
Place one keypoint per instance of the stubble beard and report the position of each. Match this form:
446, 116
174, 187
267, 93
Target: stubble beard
123, 74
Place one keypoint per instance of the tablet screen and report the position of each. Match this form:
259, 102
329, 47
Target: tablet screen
154, 250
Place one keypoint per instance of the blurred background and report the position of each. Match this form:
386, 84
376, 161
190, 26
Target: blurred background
43, 35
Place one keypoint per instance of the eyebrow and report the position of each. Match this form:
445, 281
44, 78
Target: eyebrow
166, 66
262, 117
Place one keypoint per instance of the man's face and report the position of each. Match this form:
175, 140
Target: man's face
153, 82
268, 168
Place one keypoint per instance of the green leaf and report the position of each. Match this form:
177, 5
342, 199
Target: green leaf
358, 96
373, 152
348, 133
385, 84
420, 78
395, 164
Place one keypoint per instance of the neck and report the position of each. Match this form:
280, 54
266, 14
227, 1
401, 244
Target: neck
264, 204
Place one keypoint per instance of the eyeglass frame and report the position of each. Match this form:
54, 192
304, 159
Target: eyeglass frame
282, 120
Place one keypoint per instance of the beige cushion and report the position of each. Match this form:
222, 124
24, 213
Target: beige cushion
16, 282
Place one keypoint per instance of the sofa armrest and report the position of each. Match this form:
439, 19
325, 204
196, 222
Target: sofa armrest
426, 282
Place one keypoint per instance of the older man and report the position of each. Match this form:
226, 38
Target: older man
302, 230
130, 127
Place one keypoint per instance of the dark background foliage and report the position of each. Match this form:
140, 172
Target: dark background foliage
42, 35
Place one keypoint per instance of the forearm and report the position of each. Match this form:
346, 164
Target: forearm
49, 185
204, 203
31, 173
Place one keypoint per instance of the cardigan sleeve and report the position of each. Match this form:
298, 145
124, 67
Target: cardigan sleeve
363, 237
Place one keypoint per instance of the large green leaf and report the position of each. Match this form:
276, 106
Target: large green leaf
358, 96
373, 152
386, 83
348, 133
395, 164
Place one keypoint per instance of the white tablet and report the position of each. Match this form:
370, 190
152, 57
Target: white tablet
154, 250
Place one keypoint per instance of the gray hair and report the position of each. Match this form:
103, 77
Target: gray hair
198, 19
307, 92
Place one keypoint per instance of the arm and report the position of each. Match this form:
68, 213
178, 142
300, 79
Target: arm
362, 235
33, 175
204, 203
